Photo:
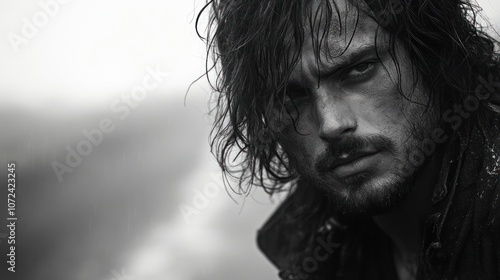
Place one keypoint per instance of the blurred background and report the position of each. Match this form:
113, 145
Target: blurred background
114, 176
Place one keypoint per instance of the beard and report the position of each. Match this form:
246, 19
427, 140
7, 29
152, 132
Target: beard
376, 190
369, 199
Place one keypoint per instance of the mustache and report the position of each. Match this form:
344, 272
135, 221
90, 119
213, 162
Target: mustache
352, 145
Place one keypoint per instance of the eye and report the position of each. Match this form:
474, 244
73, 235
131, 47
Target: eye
360, 70
296, 94
296, 99
361, 67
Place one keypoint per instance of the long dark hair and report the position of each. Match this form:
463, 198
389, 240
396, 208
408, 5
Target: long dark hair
254, 45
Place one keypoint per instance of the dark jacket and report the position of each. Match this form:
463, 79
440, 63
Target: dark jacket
461, 236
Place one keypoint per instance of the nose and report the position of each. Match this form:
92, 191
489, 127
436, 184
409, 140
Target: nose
334, 115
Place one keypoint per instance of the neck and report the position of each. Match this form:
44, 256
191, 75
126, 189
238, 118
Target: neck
404, 223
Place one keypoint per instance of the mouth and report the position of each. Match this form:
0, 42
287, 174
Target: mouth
352, 164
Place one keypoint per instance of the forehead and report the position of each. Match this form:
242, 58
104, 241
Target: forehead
336, 19
331, 39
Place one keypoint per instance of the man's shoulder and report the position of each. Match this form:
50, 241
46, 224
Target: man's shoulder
296, 228
287, 232
300, 248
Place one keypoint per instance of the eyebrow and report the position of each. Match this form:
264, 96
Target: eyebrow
346, 60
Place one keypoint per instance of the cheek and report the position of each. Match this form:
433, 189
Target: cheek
297, 133
380, 109
390, 108
397, 115
301, 148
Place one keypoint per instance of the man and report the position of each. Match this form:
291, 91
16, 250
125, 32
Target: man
380, 117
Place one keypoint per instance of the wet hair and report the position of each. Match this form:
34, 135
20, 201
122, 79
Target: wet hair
255, 44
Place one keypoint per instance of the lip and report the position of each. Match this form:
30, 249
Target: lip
353, 164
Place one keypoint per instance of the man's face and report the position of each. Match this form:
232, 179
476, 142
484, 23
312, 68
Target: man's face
355, 128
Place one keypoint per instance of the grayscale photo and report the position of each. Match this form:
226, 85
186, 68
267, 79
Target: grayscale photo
250, 139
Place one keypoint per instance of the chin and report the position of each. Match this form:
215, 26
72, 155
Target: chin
365, 195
